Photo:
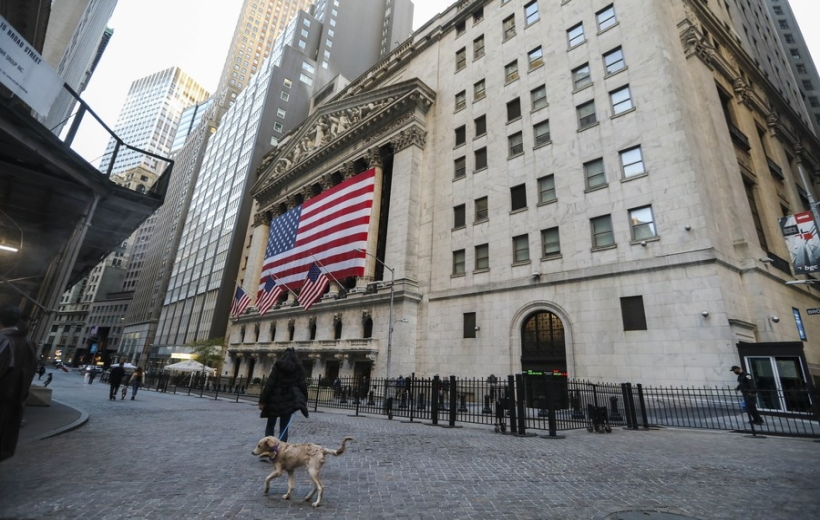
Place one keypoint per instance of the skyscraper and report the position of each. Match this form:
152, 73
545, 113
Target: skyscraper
149, 118
278, 98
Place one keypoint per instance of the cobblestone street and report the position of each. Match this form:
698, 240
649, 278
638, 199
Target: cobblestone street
178, 456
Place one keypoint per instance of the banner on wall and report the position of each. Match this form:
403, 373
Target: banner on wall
800, 232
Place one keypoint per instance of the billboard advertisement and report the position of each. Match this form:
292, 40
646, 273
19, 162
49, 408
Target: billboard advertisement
800, 232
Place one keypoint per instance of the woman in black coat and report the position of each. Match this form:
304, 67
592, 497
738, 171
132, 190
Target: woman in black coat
285, 392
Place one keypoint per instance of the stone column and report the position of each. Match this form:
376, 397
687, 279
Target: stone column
374, 160
405, 202
256, 252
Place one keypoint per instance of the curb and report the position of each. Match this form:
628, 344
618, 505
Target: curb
67, 428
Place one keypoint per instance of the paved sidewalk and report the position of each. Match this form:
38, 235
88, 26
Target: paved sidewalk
166, 456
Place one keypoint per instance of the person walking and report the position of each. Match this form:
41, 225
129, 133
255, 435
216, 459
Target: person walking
48, 380
136, 382
115, 380
41, 370
18, 364
285, 393
746, 387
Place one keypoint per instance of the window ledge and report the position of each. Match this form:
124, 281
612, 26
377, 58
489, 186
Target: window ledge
623, 113
459, 145
519, 210
459, 178
522, 262
608, 28
576, 45
479, 136
533, 69
605, 248
609, 75
593, 125
484, 270
482, 221
547, 202
476, 58
512, 81
514, 120
459, 109
554, 256
639, 242
596, 188
510, 157
539, 108
633, 177
458, 275
536, 147
588, 85
458, 228
459, 70
477, 99
479, 170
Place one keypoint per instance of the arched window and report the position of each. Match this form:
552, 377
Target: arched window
368, 328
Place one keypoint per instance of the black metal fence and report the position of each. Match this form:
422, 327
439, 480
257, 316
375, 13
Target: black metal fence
527, 403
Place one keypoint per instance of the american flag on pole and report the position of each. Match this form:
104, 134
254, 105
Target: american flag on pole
314, 286
332, 227
241, 300
268, 295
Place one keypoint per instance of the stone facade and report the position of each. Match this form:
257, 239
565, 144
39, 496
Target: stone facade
675, 236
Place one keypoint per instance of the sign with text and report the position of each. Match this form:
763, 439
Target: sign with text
800, 233
25, 72
814, 311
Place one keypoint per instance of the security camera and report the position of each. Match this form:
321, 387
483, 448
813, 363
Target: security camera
536, 274
705, 314
774, 319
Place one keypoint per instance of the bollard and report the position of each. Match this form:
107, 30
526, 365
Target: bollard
452, 409
552, 421
434, 403
463, 403
410, 383
487, 410
511, 404
642, 404
522, 415
614, 414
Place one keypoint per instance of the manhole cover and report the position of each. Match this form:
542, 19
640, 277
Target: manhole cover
645, 515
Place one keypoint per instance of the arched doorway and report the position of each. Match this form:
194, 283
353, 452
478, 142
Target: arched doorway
543, 343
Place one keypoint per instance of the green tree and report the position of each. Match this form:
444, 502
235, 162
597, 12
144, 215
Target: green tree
208, 352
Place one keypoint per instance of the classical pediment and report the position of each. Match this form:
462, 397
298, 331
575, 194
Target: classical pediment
334, 126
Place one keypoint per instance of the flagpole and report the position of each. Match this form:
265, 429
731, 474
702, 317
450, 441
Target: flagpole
329, 274
275, 279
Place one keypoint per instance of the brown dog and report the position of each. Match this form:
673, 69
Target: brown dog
288, 457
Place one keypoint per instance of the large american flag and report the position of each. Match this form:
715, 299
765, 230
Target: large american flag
330, 228
315, 283
268, 295
241, 300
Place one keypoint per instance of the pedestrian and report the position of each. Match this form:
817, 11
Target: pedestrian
399, 386
136, 382
115, 380
285, 392
18, 364
48, 380
41, 370
746, 387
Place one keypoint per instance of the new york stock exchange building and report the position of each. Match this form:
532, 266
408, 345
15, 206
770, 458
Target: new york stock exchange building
598, 202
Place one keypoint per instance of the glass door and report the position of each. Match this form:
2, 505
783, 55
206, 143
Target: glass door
780, 383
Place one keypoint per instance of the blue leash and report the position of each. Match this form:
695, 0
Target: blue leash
282, 434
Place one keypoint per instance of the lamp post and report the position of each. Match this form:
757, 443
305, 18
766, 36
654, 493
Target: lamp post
390, 319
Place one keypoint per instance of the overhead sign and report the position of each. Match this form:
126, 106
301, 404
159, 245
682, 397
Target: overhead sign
25, 72
813, 311
800, 233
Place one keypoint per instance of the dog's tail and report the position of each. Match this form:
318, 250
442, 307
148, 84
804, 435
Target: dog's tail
341, 448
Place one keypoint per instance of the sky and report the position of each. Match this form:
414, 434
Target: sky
195, 34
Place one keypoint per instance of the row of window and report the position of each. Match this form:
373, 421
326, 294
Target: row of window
642, 226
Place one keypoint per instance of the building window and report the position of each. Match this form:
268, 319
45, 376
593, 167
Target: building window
460, 168
479, 90
480, 126
458, 262
461, 28
459, 216
478, 16
801, 68
461, 59
614, 61
632, 162
594, 174
285, 96
606, 18
581, 77
280, 113
482, 257
521, 249
783, 24
480, 159
586, 115
461, 135
750, 196
602, 235
531, 12
469, 325
461, 100
643, 223
508, 26
516, 142
777, 9
795, 54
513, 110
632, 313
541, 132
478, 47
575, 35
518, 197
550, 243
621, 100
277, 127
481, 209
538, 97
511, 71
546, 189
814, 102
789, 38
807, 84
535, 57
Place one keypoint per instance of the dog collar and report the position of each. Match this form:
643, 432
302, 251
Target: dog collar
275, 453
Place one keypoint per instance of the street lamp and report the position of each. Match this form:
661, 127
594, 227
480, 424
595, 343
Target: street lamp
390, 319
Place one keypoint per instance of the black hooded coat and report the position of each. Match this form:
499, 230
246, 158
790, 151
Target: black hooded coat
285, 390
